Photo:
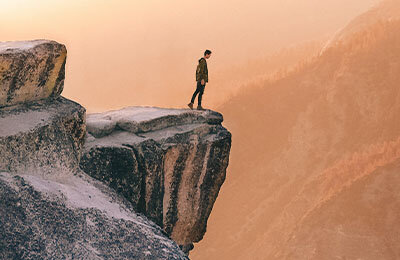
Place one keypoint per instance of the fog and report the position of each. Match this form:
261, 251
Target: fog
123, 53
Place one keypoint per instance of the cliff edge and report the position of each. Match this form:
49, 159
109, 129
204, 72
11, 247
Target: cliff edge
170, 163
139, 182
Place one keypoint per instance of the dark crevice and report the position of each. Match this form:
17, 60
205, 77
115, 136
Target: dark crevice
141, 206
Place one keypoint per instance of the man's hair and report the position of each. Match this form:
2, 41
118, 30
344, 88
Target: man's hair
207, 52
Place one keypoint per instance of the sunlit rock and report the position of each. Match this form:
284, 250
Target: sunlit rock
31, 70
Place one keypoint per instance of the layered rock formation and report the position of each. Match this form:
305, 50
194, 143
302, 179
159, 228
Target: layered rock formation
170, 163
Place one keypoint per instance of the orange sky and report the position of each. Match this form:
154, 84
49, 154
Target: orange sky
124, 52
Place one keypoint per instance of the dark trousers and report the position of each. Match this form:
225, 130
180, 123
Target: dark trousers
200, 91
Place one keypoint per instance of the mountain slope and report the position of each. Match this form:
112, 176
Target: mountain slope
385, 10
289, 132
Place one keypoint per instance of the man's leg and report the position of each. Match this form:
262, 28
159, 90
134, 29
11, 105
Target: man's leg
198, 88
201, 93
196, 92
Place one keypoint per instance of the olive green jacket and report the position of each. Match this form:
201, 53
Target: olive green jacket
202, 71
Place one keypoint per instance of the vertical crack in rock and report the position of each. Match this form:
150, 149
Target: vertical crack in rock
150, 158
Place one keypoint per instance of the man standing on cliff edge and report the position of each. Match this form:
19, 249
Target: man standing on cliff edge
201, 78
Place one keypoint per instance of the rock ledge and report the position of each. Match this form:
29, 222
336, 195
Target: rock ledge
170, 163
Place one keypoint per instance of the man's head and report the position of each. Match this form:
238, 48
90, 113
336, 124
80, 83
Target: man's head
207, 54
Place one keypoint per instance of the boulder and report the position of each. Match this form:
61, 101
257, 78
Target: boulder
31, 71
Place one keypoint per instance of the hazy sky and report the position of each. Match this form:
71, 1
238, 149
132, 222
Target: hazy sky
124, 52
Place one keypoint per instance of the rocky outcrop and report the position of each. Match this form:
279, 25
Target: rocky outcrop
31, 71
166, 163
170, 163
50, 209
162, 161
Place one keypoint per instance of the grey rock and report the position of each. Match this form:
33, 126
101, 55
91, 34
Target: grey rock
181, 158
31, 71
100, 126
117, 167
46, 135
50, 209
74, 217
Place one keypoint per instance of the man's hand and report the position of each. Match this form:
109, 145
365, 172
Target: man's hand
202, 82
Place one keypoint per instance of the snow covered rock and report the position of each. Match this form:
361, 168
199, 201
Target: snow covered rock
31, 70
170, 163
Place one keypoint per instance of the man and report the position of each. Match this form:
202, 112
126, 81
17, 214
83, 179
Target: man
201, 78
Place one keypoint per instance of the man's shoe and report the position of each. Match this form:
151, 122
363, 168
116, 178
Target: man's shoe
200, 108
190, 105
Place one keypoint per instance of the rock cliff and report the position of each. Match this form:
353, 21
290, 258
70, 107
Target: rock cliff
168, 165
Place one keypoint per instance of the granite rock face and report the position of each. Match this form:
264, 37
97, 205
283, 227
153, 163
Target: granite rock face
50, 209
31, 71
74, 217
158, 171
42, 135
170, 163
